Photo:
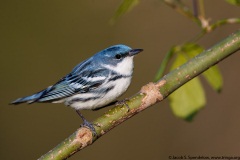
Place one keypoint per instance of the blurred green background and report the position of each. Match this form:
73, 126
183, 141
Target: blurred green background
41, 41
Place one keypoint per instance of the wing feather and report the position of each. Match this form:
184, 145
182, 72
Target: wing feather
75, 83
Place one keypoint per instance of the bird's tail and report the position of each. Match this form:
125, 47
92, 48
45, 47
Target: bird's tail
31, 99
27, 99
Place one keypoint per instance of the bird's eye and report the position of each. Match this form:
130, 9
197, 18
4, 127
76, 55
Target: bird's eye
118, 56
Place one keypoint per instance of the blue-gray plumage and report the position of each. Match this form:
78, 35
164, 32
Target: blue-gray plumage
92, 84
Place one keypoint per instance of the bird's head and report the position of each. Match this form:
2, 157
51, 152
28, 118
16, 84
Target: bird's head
118, 58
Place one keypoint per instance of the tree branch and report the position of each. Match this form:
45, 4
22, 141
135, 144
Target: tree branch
148, 95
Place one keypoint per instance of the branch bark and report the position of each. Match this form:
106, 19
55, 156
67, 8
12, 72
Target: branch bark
148, 95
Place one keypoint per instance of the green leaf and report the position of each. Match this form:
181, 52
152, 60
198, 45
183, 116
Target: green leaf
234, 2
124, 7
212, 75
214, 78
192, 49
190, 98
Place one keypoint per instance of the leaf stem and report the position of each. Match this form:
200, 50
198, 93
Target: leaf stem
164, 64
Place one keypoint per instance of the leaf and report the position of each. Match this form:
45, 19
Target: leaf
234, 2
124, 7
192, 49
190, 98
214, 78
212, 75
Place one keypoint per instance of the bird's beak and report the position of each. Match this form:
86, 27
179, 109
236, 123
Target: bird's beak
134, 52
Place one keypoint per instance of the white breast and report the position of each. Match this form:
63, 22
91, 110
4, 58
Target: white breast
121, 85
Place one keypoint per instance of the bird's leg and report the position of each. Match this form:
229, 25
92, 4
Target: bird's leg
86, 123
123, 102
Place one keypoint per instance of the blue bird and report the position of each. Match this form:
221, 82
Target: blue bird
92, 84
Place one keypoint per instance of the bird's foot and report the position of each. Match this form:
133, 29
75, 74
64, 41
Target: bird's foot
87, 124
90, 126
123, 103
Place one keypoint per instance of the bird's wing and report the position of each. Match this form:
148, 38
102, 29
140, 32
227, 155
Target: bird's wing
73, 83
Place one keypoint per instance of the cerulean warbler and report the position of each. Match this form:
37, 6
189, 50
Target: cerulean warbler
92, 84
